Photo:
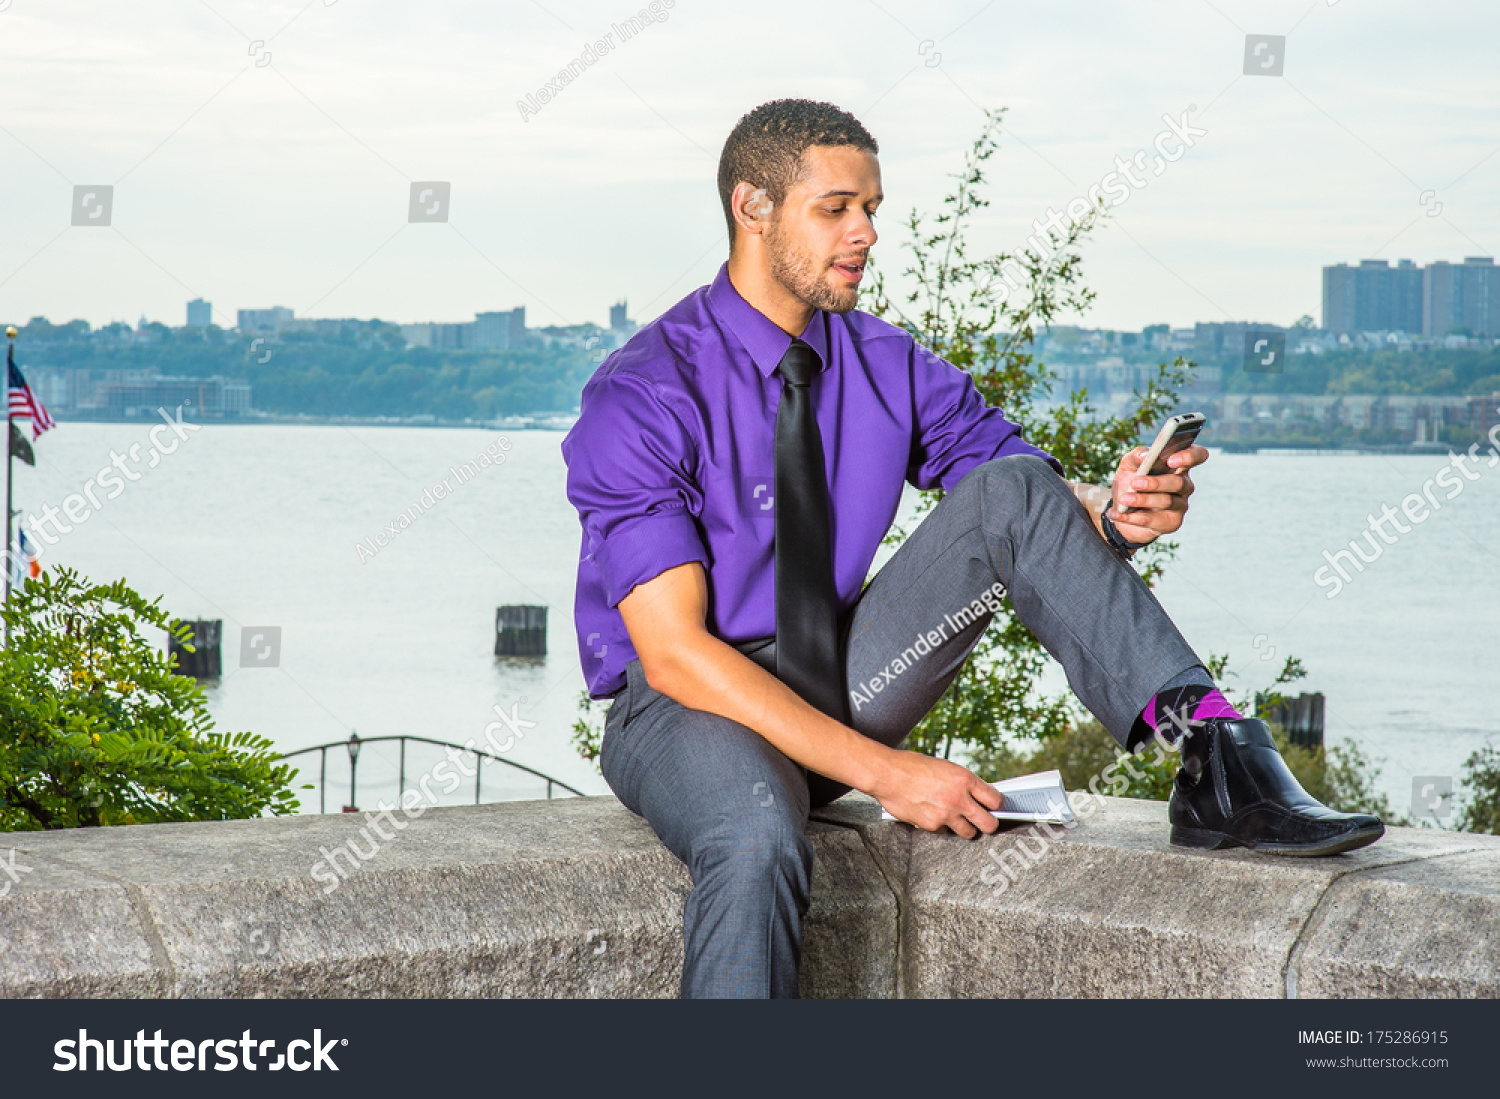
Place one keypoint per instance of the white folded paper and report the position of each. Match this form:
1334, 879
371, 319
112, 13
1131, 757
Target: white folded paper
1038, 797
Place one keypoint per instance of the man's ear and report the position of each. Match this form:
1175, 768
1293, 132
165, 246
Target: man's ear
752, 208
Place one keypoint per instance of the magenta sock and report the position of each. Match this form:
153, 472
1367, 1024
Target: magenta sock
1170, 710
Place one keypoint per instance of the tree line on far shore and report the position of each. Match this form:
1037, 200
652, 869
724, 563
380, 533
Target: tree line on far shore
367, 372
366, 369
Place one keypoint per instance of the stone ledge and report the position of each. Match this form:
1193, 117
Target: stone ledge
568, 898
576, 897
1109, 909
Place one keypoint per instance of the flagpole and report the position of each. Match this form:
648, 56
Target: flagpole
10, 352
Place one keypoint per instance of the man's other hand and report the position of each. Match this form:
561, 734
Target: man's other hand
934, 794
1157, 504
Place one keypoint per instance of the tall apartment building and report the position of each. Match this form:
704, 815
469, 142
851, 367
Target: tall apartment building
1373, 297
257, 320
418, 335
1462, 296
501, 330
200, 313
486, 332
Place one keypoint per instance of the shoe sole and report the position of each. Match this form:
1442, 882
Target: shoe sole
1203, 840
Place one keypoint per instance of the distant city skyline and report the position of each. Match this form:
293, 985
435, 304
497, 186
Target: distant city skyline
278, 152
1369, 295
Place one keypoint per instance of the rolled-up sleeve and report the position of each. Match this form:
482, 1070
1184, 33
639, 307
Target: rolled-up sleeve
954, 429
630, 475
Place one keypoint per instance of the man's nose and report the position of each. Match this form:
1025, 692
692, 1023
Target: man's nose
863, 234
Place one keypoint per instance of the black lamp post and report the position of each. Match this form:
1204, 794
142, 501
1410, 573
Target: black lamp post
353, 806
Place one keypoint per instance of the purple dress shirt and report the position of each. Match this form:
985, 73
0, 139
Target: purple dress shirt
673, 455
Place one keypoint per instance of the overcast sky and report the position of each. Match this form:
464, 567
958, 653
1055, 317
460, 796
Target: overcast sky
262, 152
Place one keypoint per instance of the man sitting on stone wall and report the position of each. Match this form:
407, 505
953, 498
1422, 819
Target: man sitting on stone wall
735, 466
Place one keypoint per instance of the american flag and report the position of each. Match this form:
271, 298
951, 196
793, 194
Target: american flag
24, 404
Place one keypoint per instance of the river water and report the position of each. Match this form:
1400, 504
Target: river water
260, 526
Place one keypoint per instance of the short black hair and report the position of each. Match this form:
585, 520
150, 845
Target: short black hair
765, 147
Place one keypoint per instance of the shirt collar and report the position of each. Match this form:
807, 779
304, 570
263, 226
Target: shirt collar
760, 336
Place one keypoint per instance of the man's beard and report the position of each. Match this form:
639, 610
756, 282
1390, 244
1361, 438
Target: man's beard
800, 275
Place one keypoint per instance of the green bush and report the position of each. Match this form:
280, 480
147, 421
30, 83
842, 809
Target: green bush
1340, 777
1084, 753
96, 728
1482, 778
982, 313
588, 738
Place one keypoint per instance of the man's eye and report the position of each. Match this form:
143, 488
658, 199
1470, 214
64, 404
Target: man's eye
836, 209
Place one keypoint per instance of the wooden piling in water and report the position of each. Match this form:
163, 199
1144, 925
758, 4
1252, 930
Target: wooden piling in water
205, 661
521, 631
1301, 717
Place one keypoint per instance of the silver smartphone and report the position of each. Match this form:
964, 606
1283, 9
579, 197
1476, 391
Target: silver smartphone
1176, 434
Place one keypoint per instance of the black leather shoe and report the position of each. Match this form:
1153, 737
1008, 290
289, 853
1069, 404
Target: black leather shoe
1234, 790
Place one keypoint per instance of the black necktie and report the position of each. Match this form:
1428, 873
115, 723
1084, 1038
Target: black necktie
807, 615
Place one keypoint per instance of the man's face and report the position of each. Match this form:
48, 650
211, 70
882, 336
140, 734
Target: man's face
820, 237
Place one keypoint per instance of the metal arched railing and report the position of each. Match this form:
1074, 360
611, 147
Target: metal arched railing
355, 742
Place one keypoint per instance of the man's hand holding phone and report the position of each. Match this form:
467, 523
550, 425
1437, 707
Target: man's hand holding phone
1151, 502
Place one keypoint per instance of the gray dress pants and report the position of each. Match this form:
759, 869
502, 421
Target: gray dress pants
734, 809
